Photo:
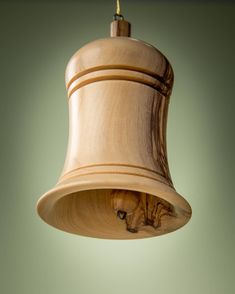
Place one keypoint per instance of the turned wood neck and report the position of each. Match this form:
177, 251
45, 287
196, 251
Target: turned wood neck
120, 28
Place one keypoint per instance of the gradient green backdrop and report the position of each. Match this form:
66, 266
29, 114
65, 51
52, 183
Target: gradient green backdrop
36, 42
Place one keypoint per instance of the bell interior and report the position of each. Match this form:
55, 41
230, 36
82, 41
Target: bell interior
113, 214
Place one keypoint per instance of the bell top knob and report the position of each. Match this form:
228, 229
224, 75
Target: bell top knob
120, 28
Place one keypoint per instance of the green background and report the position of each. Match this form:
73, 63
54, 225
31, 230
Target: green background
37, 39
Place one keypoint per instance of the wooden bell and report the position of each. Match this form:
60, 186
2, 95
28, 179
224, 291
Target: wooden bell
116, 182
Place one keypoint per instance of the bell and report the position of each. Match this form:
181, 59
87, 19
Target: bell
116, 182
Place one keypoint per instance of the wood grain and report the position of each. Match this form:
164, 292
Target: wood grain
140, 210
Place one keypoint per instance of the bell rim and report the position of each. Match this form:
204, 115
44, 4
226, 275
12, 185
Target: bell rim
126, 182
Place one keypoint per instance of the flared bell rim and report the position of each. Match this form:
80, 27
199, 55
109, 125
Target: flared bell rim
46, 203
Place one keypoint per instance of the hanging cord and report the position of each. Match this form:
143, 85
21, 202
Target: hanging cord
118, 10
118, 15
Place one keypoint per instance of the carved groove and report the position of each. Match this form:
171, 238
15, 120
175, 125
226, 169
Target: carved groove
119, 78
122, 67
121, 173
114, 164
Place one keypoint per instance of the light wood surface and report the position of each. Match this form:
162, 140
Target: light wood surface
116, 182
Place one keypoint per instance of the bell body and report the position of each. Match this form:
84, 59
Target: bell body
116, 182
